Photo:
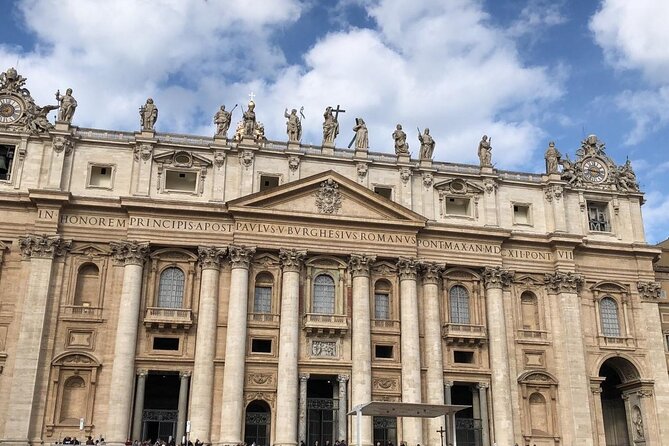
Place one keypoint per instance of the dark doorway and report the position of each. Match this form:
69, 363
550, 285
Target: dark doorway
385, 431
467, 428
613, 408
257, 424
161, 401
322, 410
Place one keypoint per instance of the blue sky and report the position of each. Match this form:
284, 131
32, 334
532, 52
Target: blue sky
524, 72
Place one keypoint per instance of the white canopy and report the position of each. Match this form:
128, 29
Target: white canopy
391, 409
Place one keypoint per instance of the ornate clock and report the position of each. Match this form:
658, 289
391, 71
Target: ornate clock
10, 109
594, 170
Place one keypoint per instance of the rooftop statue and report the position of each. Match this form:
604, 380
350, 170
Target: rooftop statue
426, 144
331, 124
485, 151
249, 118
552, 158
67, 106
400, 138
12, 81
222, 119
148, 115
361, 135
293, 125
249, 127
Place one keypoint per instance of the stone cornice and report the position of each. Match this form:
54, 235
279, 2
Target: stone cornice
43, 246
211, 257
407, 268
431, 272
241, 256
291, 259
359, 265
130, 252
649, 291
559, 282
497, 277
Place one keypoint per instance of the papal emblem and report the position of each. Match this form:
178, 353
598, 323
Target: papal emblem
328, 198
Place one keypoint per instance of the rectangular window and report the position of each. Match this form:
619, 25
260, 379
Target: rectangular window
268, 182
521, 214
261, 345
462, 357
170, 344
598, 217
457, 206
6, 161
180, 181
100, 176
385, 192
383, 351
262, 299
381, 306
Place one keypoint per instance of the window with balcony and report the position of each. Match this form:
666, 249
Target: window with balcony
262, 295
598, 217
88, 285
324, 295
608, 311
529, 311
458, 304
171, 289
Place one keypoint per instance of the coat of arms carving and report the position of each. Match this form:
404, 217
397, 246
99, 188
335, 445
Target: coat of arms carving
328, 198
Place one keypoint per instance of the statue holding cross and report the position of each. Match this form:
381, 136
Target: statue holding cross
331, 124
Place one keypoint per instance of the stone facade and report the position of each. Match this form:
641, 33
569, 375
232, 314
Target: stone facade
259, 290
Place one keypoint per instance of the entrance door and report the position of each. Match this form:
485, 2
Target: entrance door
322, 411
467, 428
613, 409
257, 424
161, 402
385, 431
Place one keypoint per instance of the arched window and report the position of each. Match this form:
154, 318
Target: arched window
530, 311
171, 290
608, 311
73, 403
382, 300
262, 295
538, 414
324, 295
88, 285
458, 299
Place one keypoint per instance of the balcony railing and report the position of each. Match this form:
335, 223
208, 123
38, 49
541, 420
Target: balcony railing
325, 324
263, 319
81, 312
174, 318
616, 342
464, 333
539, 336
386, 325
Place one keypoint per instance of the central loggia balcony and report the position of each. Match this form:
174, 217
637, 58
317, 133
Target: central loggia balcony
325, 324
168, 318
464, 334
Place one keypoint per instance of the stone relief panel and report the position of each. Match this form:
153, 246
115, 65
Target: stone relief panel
323, 349
385, 384
260, 379
80, 339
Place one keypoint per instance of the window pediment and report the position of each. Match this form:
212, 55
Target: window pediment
181, 158
457, 186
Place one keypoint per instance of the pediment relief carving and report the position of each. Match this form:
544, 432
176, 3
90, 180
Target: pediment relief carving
76, 359
609, 287
182, 158
458, 186
537, 377
384, 268
174, 255
460, 274
326, 262
528, 281
266, 260
89, 250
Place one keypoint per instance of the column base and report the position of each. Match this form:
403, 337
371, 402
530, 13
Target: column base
17, 442
285, 443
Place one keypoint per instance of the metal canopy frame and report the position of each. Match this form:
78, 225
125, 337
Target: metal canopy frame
409, 410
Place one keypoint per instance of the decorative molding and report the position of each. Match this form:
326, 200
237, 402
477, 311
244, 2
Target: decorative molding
406, 268
362, 170
324, 348
359, 265
405, 174
43, 246
428, 179
553, 192
649, 290
291, 259
219, 159
497, 277
62, 143
241, 256
246, 158
260, 379
560, 282
130, 252
143, 151
328, 198
210, 257
431, 272
343, 378
489, 185
385, 384
293, 163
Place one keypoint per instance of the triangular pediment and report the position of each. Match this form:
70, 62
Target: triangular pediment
327, 195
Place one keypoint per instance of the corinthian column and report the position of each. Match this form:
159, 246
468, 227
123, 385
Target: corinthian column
361, 342
286, 391
235, 347
202, 387
22, 399
132, 255
343, 407
496, 278
574, 386
433, 354
410, 344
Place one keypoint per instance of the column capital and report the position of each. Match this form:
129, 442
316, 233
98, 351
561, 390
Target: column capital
431, 272
240, 256
497, 277
211, 257
43, 246
359, 264
130, 252
343, 378
560, 282
482, 386
185, 374
649, 290
304, 377
291, 259
448, 383
406, 268
142, 373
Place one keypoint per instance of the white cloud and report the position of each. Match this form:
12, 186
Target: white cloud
655, 213
440, 64
536, 16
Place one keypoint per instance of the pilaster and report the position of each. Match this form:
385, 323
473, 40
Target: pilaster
182, 407
343, 406
140, 390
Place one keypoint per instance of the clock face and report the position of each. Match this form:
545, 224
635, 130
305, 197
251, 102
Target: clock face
594, 170
10, 110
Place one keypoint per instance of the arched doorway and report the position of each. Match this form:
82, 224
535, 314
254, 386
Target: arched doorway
616, 374
257, 424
